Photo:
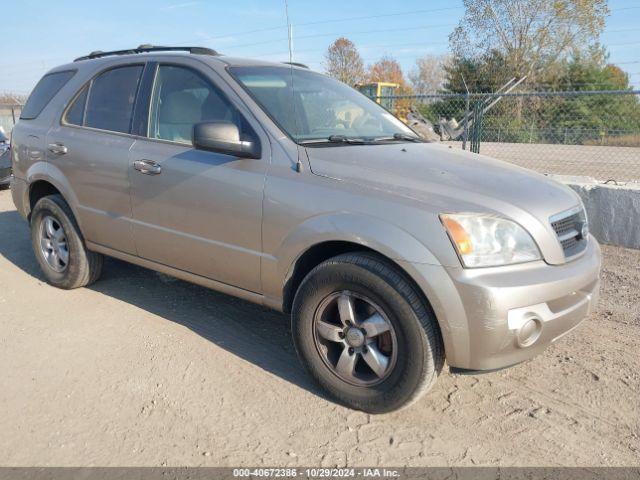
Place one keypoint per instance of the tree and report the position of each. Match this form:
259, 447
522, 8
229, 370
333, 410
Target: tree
387, 69
529, 34
590, 70
428, 76
344, 62
486, 73
602, 119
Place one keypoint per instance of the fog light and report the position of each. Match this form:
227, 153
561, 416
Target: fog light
529, 332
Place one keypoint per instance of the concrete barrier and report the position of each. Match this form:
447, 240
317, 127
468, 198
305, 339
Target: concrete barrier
613, 210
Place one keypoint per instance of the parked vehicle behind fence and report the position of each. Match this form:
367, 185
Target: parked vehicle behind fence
5, 160
287, 188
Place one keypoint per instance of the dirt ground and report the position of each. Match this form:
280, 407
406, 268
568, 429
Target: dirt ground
142, 369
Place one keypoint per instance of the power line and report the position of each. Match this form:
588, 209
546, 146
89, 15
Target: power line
384, 30
396, 45
10, 68
383, 15
623, 8
330, 20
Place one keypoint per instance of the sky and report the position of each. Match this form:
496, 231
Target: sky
40, 34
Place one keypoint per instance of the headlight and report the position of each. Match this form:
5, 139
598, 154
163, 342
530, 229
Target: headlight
489, 241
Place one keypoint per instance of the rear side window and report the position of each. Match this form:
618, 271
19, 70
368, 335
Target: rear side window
75, 113
44, 91
112, 96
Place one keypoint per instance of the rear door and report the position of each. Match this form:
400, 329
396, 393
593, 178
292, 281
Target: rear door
90, 147
194, 210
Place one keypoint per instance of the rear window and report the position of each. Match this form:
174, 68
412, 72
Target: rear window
45, 90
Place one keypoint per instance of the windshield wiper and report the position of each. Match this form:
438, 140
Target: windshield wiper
345, 139
336, 139
401, 136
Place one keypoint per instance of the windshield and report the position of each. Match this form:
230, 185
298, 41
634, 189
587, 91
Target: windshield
322, 107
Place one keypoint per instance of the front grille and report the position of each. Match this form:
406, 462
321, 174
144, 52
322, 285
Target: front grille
570, 230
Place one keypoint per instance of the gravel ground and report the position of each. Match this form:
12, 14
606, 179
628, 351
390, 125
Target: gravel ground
603, 163
142, 369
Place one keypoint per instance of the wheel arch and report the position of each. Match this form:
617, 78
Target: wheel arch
38, 190
321, 238
46, 179
311, 258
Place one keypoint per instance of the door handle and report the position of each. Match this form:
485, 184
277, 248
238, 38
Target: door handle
148, 167
58, 148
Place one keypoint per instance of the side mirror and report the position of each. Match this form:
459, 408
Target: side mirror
223, 137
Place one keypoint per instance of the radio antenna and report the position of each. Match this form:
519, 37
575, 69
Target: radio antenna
289, 31
293, 93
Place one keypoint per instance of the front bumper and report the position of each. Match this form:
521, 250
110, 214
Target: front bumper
484, 313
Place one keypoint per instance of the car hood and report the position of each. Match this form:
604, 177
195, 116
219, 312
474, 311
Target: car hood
450, 180
432, 173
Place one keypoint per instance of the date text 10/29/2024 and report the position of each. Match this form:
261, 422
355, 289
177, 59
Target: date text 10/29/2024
315, 473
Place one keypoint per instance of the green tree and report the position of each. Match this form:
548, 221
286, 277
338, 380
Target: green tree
580, 118
486, 73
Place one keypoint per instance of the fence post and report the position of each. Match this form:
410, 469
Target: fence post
531, 133
465, 136
476, 130
13, 114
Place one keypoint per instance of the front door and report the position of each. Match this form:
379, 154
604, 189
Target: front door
194, 210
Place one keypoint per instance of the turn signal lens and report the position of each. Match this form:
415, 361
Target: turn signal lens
458, 234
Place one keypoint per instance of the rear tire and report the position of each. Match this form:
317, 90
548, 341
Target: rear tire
370, 371
59, 246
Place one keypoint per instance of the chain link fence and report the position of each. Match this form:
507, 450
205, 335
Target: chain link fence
587, 133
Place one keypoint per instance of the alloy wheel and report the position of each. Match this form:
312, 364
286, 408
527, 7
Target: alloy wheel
355, 338
53, 244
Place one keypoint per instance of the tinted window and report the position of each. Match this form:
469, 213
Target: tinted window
111, 99
75, 113
182, 98
45, 90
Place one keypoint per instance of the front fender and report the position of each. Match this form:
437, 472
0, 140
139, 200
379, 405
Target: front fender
371, 232
368, 231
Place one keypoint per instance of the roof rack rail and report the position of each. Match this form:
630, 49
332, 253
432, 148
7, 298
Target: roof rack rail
148, 48
297, 64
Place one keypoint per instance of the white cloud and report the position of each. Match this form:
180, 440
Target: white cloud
179, 5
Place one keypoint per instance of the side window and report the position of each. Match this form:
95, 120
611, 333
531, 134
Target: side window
43, 92
182, 98
75, 113
111, 99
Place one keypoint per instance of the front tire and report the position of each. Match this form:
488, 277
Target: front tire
59, 247
365, 334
